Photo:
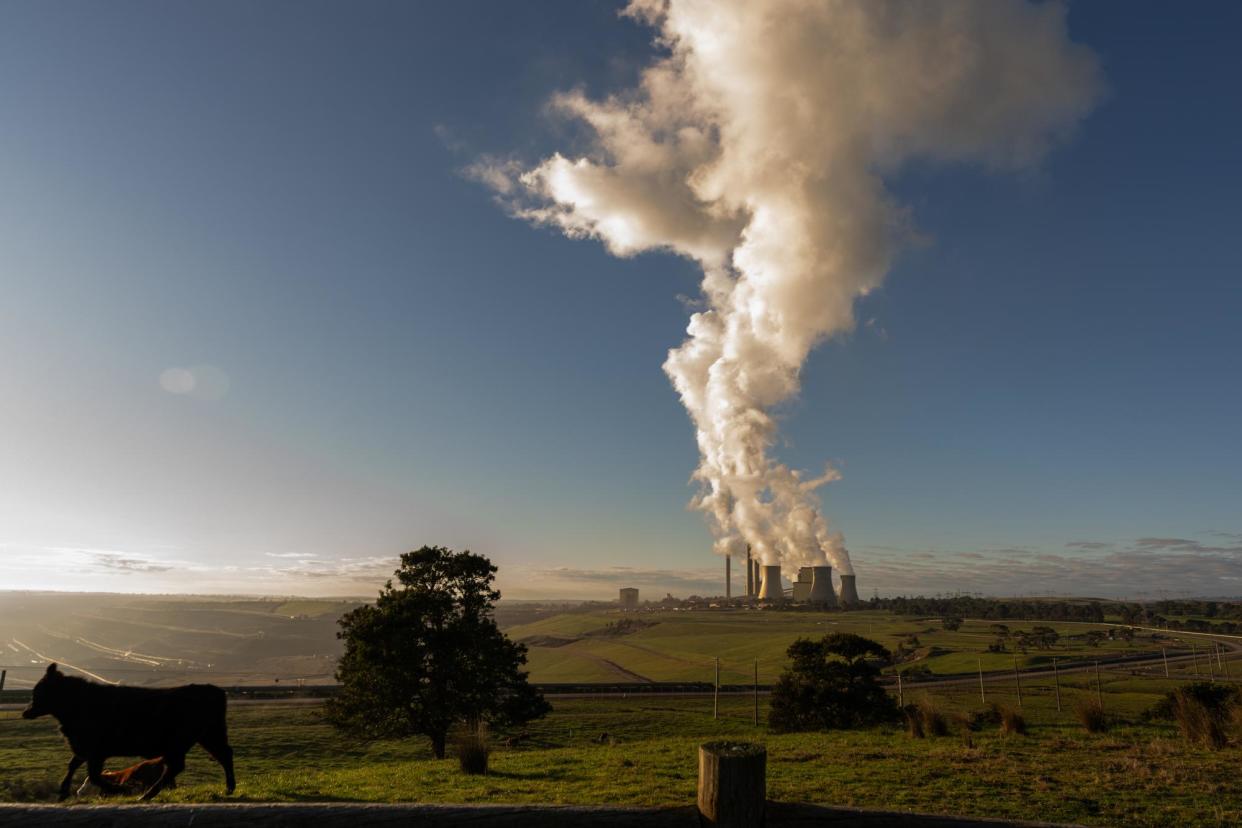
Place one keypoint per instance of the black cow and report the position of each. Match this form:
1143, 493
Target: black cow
100, 721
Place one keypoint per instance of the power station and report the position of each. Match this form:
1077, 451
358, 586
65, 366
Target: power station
813, 586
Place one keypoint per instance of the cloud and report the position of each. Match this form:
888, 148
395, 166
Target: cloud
119, 562
1088, 545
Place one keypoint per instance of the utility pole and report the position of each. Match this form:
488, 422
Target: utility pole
756, 692
1056, 678
716, 694
1017, 677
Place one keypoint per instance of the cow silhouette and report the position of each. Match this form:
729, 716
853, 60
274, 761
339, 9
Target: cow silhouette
100, 721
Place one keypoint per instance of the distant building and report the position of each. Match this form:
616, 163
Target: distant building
629, 598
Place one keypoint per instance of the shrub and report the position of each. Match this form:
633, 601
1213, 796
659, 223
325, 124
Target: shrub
914, 721
1210, 694
934, 723
1091, 715
1011, 721
473, 751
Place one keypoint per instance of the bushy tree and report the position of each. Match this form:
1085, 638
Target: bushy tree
831, 684
951, 623
428, 655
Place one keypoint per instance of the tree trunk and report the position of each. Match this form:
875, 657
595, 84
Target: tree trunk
732, 784
437, 744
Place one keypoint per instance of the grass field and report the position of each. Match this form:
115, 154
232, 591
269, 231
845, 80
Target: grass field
641, 750
683, 646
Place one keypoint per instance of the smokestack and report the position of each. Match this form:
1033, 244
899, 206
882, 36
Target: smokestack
821, 587
754, 566
849, 592
772, 592
750, 574
728, 577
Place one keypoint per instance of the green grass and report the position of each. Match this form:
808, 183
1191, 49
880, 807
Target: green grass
683, 646
642, 751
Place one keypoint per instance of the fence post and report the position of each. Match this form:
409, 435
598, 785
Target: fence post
1017, 679
756, 692
983, 697
732, 784
1056, 678
901, 700
1194, 657
1099, 690
716, 692
1164, 653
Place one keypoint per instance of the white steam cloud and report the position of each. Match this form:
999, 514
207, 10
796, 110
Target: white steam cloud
757, 145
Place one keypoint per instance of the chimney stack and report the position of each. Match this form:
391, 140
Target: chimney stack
728, 577
750, 575
772, 592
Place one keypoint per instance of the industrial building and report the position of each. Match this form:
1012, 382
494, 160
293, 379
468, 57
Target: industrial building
629, 598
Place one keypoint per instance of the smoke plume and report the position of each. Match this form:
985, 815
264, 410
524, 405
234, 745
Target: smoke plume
757, 144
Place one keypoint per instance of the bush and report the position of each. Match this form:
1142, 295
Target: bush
1091, 715
1210, 694
473, 751
914, 721
934, 723
1011, 721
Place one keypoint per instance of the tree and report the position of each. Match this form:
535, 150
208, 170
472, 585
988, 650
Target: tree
951, 623
428, 655
1045, 637
831, 684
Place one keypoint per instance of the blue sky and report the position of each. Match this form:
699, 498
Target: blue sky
1043, 396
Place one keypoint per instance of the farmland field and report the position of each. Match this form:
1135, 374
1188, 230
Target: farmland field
641, 750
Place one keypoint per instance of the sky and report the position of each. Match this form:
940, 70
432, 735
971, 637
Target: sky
263, 328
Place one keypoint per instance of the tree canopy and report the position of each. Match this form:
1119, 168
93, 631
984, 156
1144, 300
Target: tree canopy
831, 683
428, 655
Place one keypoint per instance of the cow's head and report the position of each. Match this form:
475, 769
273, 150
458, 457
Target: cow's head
43, 699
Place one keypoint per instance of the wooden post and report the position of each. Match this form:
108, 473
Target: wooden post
1017, 677
716, 692
756, 692
1164, 653
983, 697
1056, 678
732, 784
3, 673
1099, 690
1194, 658
901, 700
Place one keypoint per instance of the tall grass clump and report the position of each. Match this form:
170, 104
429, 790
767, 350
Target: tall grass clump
1090, 714
934, 722
1205, 711
914, 721
1011, 721
473, 750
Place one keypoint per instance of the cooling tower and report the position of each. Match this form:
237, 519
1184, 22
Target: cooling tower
849, 592
771, 591
821, 587
750, 575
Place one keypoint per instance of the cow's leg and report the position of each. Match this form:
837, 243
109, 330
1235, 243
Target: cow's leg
174, 763
94, 772
217, 744
74, 764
